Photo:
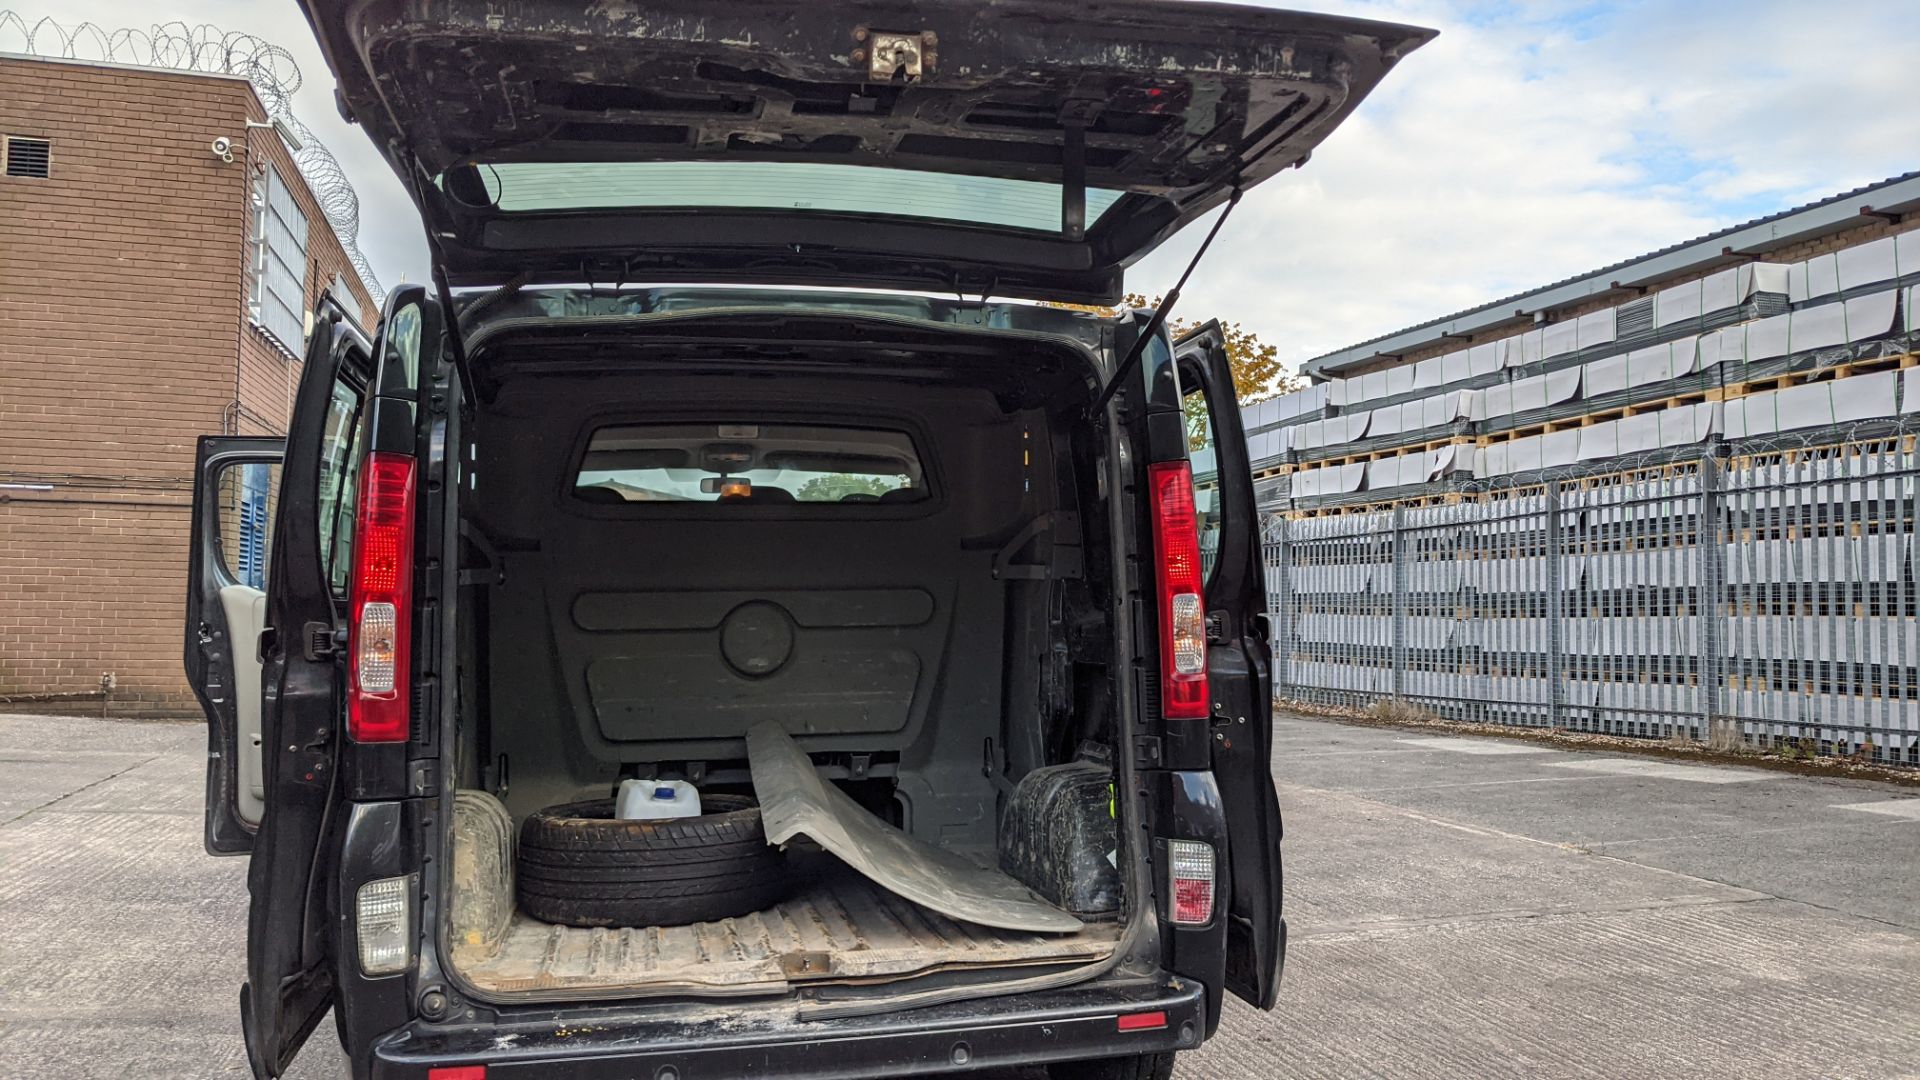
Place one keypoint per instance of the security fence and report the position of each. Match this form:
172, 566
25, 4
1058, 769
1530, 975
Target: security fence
1766, 597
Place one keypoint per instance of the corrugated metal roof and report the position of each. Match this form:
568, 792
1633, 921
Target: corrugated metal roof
1898, 194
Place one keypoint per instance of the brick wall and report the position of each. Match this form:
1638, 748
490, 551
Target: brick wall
123, 338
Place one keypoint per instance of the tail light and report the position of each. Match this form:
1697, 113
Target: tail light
380, 602
383, 925
1183, 619
1190, 882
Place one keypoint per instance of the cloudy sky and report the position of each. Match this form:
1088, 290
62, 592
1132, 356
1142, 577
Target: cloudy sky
1534, 139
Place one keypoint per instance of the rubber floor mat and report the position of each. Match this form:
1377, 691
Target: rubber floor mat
794, 801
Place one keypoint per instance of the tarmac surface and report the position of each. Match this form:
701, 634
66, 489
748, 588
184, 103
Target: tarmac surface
1459, 907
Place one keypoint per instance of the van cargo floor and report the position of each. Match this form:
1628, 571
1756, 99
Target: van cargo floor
837, 928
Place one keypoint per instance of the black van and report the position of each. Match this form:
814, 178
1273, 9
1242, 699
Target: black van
708, 452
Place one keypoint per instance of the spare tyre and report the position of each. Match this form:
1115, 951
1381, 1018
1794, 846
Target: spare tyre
581, 866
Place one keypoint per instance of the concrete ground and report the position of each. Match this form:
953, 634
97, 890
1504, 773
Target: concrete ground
1460, 907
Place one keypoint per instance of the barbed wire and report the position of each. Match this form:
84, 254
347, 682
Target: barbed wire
176, 45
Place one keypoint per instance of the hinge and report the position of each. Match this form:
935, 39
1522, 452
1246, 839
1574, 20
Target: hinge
319, 641
1147, 752
1216, 627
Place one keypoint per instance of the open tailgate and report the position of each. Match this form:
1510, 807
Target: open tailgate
1013, 147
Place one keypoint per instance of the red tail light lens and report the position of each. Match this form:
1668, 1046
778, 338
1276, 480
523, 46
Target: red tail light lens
380, 602
1183, 619
1146, 1021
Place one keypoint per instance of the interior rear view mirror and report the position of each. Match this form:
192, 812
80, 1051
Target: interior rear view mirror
724, 486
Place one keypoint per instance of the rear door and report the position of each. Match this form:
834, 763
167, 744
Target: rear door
1013, 147
289, 928
235, 478
1239, 665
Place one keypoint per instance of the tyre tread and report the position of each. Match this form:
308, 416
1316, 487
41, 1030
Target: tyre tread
580, 866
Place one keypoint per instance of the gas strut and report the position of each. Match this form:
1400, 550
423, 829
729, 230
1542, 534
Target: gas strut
1159, 317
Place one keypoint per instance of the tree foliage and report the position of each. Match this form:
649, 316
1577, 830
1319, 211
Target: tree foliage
839, 485
1257, 371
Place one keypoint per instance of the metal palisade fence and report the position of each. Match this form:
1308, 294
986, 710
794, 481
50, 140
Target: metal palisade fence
1765, 598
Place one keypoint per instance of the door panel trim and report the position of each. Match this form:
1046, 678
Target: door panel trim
245, 608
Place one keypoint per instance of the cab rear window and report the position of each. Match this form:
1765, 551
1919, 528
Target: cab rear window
749, 463
784, 186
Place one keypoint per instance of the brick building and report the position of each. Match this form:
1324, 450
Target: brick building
150, 292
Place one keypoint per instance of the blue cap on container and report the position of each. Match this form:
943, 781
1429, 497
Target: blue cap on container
663, 793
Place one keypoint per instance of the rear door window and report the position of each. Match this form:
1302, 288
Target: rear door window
745, 462
339, 473
248, 497
1201, 446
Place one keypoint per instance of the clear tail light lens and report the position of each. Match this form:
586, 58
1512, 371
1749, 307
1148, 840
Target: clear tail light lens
1183, 618
1190, 882
380, 602
379, 627
383, 921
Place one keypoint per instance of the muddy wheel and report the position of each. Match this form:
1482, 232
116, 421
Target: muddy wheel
581, 866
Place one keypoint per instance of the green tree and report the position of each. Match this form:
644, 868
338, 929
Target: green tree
840, 485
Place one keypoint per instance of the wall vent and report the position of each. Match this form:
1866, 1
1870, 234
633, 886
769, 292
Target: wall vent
29, 157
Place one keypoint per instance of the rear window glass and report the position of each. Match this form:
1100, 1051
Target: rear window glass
782, 185
744, 462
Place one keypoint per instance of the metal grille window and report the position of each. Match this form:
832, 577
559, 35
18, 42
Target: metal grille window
31, 158
251, 559
279, 300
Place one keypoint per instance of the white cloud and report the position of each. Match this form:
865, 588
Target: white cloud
1531, 142
1534, 139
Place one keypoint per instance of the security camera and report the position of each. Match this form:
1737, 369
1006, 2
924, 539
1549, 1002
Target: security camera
222, 148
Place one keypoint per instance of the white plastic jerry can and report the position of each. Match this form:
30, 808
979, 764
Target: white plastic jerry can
651, 800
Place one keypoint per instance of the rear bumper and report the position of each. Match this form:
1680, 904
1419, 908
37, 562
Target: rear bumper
713, 1042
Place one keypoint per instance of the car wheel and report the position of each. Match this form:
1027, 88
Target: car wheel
580, 866
1138, 1067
